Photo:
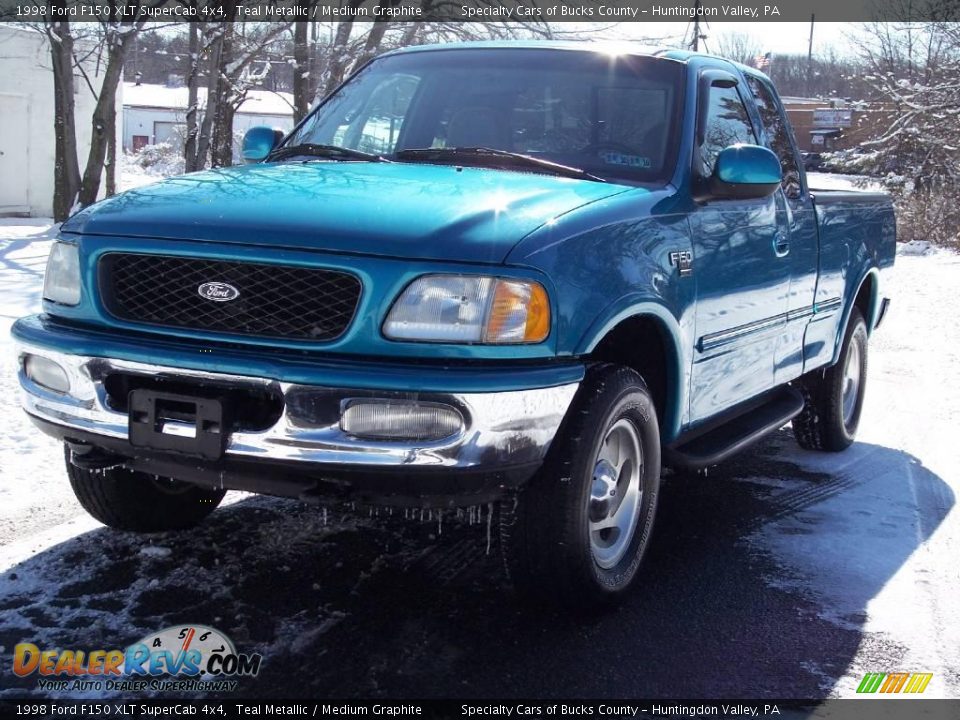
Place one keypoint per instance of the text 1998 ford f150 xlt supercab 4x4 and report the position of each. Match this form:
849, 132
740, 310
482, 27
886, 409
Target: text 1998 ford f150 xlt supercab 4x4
530, 273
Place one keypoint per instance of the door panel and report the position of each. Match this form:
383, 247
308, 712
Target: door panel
742, 288
802, 232
799, 224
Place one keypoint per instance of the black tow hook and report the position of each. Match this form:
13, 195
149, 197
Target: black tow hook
90, 457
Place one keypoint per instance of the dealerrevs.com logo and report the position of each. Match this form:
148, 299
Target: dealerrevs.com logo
185, 657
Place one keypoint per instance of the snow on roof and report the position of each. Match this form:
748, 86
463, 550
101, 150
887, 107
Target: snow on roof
258, 102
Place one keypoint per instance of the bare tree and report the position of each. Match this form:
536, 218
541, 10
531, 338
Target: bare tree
333, 50
827, 75
116, 38
224, 54
304, 63
913, 66
739, 47
190, 152
105, 45
66, 165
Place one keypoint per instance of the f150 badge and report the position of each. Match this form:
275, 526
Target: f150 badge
683, 260
218, 292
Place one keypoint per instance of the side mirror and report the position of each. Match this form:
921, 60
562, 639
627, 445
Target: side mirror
745, 172
258, 142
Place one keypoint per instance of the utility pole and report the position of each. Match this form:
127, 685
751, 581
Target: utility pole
695, 41
810, 54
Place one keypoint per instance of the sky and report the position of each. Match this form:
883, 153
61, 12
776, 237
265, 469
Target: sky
777, 37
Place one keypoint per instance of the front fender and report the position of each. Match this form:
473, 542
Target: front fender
678, 360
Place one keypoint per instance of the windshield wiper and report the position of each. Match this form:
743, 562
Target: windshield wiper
500, 158
325, 151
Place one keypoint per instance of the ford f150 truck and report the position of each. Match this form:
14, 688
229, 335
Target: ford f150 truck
529, 275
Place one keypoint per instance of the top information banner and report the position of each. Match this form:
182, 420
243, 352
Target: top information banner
527, 11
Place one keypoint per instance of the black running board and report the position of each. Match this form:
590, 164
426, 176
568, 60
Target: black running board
704, 447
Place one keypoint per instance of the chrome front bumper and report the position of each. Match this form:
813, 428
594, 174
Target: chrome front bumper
500, 429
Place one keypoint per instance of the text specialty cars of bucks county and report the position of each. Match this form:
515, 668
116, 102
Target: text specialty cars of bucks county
529, 275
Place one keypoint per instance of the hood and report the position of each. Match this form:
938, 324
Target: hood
393, 209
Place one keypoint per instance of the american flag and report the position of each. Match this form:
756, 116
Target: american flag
762, 62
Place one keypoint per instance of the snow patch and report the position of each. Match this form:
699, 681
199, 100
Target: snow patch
916, 247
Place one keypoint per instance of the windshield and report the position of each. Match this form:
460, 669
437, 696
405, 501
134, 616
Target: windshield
611, 116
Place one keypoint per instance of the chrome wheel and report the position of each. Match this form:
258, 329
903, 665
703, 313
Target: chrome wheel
851, 383
615, 494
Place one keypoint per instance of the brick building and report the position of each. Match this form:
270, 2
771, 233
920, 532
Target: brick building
827, 125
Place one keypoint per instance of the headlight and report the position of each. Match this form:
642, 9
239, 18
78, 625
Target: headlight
470, 309
61, 282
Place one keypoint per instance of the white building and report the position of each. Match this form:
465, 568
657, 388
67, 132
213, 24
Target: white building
157, 114
27, 148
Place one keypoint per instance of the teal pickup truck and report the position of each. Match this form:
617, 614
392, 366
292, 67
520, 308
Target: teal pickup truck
526, 276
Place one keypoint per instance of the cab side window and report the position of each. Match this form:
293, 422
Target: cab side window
778, 132
727, 123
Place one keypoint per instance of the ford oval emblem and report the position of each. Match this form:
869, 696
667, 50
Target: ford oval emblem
218, 292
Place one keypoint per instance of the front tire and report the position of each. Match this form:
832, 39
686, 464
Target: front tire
834, 397
129, 500
576, 535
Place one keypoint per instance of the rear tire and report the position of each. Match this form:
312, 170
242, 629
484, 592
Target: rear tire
834, 397
129, 500
576, 535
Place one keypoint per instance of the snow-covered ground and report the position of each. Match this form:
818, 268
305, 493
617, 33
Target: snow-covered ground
865, 542
841, 181
30, 465
883, 539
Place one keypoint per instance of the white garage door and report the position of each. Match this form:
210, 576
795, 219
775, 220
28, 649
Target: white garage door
168, 132
14, 195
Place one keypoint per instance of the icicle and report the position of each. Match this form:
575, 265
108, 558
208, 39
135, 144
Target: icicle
324, 516
489, 524
439, 523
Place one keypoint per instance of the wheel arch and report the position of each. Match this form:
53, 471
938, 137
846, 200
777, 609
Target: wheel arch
645, 337
866, 299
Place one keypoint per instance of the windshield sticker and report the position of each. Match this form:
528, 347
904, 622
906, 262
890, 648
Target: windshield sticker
637, 161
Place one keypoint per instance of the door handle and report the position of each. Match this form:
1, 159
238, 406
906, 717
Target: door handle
781, 245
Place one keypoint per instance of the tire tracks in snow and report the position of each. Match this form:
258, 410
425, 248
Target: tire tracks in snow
794, 501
